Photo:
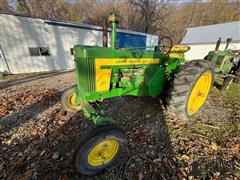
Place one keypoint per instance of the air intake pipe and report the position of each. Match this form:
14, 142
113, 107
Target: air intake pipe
113, 19
218, 44
228, 42
105, 33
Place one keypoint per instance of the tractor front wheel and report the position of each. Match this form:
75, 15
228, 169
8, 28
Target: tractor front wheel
190, 88
100, 149
68, 100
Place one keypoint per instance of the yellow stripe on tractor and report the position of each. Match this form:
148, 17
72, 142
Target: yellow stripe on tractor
103, 75
179, 48
176, 55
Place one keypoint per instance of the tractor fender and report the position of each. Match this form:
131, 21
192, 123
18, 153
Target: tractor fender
157, 82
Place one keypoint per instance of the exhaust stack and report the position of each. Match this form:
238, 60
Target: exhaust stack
113, 19
228, 42
218, 44
105, 33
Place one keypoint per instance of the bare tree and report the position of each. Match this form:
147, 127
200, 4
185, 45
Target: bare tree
5, 6
147, 14
23, 6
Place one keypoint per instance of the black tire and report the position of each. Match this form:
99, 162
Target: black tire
66, 100
95, 137
227, 82
184, 82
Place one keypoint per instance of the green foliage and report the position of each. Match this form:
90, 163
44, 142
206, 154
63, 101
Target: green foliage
234, 92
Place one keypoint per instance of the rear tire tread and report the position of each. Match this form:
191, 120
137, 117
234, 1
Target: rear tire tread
182, 85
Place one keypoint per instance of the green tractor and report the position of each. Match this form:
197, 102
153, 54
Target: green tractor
145, 71
226, 64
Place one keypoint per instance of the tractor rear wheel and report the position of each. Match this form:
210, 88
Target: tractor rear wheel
190, 88
68, 99
100, 149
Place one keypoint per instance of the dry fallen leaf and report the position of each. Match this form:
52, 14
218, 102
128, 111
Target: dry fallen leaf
214, 146
185, 157
55, 155
63, 177
142, 138
47, 155
139, 176
25, 175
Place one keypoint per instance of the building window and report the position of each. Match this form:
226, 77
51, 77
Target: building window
39, 51
44, 51
71, 51
34, 51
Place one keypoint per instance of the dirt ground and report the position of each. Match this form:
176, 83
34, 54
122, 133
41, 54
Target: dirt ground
38, 137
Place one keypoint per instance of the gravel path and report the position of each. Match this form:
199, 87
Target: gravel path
38, 137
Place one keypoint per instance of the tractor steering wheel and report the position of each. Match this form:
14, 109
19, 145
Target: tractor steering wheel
165, 45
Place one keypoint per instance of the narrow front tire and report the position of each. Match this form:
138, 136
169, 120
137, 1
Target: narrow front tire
99, 149
68, 100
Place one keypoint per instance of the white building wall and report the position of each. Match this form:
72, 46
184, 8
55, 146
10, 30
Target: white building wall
199, 51
19, 33
3, 66
151, 40
64, 38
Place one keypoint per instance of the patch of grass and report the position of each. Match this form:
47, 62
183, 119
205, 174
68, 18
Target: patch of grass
233, 98
234, 91
11, 77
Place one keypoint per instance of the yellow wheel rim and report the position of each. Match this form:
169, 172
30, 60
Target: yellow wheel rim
72, 100
103, 152
199, 93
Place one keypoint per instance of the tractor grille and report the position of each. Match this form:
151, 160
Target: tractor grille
86, 72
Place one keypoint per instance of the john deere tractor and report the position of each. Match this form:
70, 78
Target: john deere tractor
226, 64
104, 73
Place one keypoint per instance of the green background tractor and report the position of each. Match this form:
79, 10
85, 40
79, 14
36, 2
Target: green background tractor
109, 72
226, 64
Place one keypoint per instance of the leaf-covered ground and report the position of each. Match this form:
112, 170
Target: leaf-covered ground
38, 137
